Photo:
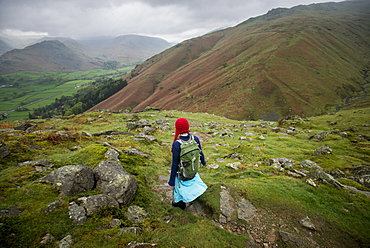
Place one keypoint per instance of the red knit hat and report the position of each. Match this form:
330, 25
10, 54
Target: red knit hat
182, 126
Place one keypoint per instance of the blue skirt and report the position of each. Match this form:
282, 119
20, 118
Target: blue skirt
188, 191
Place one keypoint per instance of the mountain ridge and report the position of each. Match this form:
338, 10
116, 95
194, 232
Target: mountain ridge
305, 60
125, 49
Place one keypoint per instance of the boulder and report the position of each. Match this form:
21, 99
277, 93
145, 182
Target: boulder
94, 203
246, 211
281, 163
39, 165
71, 179
77, 213
4, 150
292, 240
310, 165
112, 154
134, 151
136, 214
66, 242
324, 150
325, 178
115, 181
52, 206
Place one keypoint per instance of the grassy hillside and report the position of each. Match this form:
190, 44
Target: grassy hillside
305, 60
341, 217
28, 90
46, 56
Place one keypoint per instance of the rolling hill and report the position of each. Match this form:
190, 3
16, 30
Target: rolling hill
4, 47
50, 55
66, 54
306, 60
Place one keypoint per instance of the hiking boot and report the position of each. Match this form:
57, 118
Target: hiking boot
179, 204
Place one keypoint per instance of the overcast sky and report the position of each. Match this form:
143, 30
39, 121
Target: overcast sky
172, 20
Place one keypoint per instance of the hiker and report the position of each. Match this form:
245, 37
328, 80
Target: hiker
185, 180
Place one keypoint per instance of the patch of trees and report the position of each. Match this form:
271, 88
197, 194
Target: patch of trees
83, 100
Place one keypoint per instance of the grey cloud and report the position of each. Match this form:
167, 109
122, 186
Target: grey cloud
173, 20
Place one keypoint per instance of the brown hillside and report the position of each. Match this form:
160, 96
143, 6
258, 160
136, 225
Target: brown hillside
49, 55
305, 60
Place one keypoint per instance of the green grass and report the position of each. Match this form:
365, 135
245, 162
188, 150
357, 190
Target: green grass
34, 86
281, 200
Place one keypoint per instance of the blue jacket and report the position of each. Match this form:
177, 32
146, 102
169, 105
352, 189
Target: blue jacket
176, 157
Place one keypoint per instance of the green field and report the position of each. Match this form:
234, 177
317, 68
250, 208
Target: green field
30, 90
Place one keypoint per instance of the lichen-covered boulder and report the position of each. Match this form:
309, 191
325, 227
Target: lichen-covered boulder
71, 179
94, 203
113, 180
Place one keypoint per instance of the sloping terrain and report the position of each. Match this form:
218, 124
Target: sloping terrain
127, 48
4, 47
268, 186
65, 54
46, 56
305, 60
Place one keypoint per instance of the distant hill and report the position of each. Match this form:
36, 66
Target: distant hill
50, 55
66, 54
305, 60
4, 47
125, 48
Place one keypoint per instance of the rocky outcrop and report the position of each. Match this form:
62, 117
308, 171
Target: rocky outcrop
71, 179
4, 150
115, 181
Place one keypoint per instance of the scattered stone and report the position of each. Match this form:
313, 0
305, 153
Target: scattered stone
324, 150
135, 244
4, 150
35, 147
86, 133
337, 173
292, 240
71, 179
10, 211
136, 214
24, 126
162, 122
294, 174
246, 211
112, 133
320, 136
112, 154
134, 151
309, 181
325, 178
234, 155
94, 203
39, 165
281, 163
52, 206
77, 214
114, 223
75, 148
115, 181
47, 239
220, 160
225, 205
310, 164
213, 166
134, 230
235, 165
148, 130
306, 222
66, 242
